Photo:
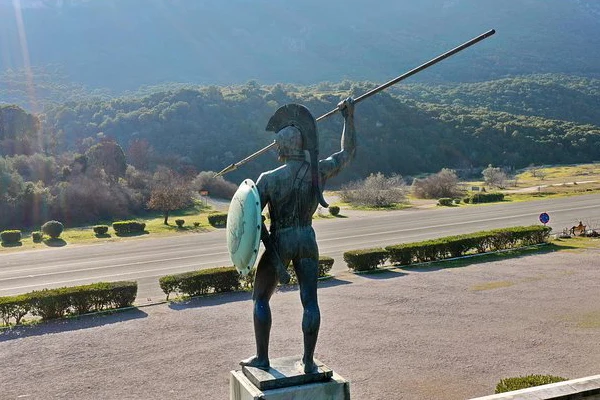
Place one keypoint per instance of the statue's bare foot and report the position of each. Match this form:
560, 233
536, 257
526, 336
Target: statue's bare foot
309, 367
256, 363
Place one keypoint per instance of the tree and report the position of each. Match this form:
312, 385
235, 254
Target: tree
107, 156
494, 176
442, 184
217, 187
375, 191
18, 131
169, 193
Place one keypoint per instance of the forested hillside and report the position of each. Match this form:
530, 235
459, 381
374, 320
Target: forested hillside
123, 44
99, 158
512, 122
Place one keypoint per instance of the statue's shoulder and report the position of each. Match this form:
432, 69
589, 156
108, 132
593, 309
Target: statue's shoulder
272, 176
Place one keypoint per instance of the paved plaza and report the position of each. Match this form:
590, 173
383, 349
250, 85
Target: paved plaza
419, 334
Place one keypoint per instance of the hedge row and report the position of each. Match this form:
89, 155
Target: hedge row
218, 220
325, 265
195, 283
10, 236
131, 226
447, 247
55, 303
476, 198
222, 279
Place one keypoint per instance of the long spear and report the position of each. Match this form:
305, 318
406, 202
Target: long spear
372, 92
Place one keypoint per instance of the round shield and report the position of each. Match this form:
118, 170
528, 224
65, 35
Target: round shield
244, 222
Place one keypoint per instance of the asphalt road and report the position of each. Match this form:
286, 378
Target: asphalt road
145, 259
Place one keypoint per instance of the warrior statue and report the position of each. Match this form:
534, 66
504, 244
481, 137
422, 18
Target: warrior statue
292, 194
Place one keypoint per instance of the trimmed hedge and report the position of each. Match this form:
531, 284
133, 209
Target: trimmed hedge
100, 229
445, 201
130, 226
55, 303
11, 236
218, 220
476, 198
179, 223
524, 382
365, 260
195, 283
53, 229
14, 307
478, 242
334, 210
37, 236
325, 265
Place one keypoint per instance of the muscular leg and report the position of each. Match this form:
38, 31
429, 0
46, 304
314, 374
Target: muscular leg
265, 283
307, 271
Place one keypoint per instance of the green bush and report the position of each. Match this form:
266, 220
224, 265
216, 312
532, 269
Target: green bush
53, 229
179, 223
524, 382
486, 197
10, 236
456, 246
14, 307
367, 259
325, 265
127, 227
37, 236
195, 283
75, 300
218, 220
100, 229
334, 210
196, 224
457, 201
445, 201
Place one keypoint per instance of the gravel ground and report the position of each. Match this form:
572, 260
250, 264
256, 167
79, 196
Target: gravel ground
420, 334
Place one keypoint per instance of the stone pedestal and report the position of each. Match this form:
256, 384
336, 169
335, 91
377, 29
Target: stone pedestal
286, 380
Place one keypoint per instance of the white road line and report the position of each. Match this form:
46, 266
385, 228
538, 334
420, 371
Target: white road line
99, 278
102, 267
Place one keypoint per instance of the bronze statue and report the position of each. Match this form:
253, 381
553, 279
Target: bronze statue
292, 194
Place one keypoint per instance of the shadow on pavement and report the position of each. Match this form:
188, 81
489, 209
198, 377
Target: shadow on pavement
382, 274
485, 258
71, 324
210, 300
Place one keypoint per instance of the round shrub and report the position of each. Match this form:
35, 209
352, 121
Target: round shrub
37, 236
445, 201
334, 210
218, 220
196, 224
53, 229
524, 382
11, 236
100, 229
180, 223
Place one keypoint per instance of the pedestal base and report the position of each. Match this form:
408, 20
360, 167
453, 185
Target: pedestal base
285, 381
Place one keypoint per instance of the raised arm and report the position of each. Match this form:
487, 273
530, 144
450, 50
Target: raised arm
332, 165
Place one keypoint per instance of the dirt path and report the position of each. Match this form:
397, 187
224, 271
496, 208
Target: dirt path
423, 334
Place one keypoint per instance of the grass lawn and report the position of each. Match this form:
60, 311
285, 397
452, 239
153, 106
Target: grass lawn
154, 227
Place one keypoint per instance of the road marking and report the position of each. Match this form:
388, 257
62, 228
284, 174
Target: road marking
101, 267
97, 278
